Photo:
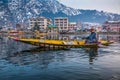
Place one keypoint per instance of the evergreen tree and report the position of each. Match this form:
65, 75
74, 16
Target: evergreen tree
36, 27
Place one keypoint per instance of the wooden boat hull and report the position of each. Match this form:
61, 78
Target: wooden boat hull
60, 43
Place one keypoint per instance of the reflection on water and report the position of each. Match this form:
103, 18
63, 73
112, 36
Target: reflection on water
34, 54
19, 61
93, 52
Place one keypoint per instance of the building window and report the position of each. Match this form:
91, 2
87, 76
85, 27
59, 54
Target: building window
65, 27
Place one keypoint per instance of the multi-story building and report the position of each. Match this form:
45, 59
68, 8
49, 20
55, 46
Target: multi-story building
112, 26
72, 26
41, 22
62, 23
99, 28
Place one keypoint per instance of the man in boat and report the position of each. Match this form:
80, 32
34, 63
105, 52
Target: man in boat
92, 38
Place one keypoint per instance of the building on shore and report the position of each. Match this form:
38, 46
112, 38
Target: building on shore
62, 23
41, 22
18, 27
72, 26
89, 25
52, 29
113, 26
52, 32
99, 29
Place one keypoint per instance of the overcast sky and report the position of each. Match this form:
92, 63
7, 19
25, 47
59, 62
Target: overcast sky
105, 5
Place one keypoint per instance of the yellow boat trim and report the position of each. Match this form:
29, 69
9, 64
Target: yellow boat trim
75, 43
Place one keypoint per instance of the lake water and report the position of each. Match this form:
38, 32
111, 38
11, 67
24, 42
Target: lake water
19, 61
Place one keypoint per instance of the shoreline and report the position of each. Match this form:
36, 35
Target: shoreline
70, 33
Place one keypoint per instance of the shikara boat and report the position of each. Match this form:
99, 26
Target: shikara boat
60, 43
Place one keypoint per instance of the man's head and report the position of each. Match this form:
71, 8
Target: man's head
92, 30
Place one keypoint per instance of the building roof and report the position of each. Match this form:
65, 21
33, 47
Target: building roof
72, 23
52, 26
41, 17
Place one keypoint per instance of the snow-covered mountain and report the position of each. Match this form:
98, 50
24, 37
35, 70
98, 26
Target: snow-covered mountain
14, 11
